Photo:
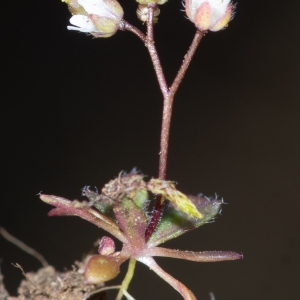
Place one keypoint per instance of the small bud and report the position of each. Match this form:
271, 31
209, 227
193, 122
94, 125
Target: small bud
101, 268
106, 246
142, 13
212, 15
101, 18
146, 2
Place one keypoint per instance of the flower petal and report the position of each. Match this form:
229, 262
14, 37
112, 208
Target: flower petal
223, 21
203, 16
97, 7
206, 14
83, 23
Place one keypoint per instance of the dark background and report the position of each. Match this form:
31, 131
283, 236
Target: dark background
77, 110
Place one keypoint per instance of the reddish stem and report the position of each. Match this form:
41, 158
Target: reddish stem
168, 105
168, 94
126, 26
186, 62
165, 130
156, 215
153, 52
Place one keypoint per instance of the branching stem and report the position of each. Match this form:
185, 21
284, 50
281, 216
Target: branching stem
126, 26
153, 52
168, 105
186, 62
168, 95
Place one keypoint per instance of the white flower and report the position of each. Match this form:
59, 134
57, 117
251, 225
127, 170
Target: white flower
98, 7
101, 18
83, 23
209, 14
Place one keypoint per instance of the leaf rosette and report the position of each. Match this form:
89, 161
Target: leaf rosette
123, 209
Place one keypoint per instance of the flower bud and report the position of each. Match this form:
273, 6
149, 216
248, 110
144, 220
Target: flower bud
101, 268
211, 15
101, 18
146, 2
142, 13
106, 246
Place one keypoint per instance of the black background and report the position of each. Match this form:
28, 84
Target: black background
77, 110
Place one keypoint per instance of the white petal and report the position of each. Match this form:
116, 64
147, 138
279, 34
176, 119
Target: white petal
83, 22
218, 9
96, 7
194, 4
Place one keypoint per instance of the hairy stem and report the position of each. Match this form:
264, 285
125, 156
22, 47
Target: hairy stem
164, 136
166, 123
127, 278
153, 52
168, 95
168, 105
167, 112
163, 158
186, 62
126, 26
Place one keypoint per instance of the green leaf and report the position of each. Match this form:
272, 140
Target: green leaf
175, 222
